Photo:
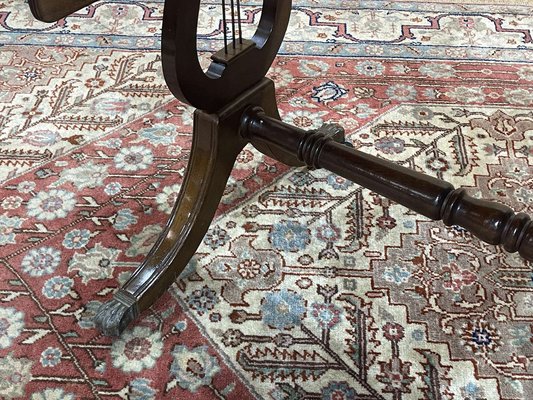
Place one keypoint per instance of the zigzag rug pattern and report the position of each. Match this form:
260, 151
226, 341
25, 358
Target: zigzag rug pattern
306, 286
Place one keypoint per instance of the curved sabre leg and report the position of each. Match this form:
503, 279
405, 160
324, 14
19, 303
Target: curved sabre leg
211, 161
216, 145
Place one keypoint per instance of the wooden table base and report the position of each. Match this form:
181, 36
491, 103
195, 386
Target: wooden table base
253, 117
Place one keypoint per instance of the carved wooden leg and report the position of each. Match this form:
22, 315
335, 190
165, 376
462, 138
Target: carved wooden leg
492, 222
216, 144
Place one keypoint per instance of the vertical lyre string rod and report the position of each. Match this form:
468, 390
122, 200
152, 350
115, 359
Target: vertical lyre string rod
233, 23
236, 23
239, 16
225, 26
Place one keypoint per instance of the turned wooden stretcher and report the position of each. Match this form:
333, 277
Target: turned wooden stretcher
236, 105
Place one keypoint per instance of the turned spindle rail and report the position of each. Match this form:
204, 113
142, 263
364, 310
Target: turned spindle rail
491, 222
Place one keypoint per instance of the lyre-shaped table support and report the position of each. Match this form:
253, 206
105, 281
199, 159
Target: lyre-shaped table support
253, 117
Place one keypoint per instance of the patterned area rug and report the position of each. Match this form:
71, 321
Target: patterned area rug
306, 286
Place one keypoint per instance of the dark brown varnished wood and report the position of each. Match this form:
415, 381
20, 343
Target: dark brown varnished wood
216, 144
492, 222
53, 10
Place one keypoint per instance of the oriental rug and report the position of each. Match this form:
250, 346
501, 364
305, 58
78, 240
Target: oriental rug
306, 286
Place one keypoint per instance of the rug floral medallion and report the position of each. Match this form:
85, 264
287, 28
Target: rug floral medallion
306, 286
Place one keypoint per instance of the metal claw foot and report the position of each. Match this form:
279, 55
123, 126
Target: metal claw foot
114, 316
